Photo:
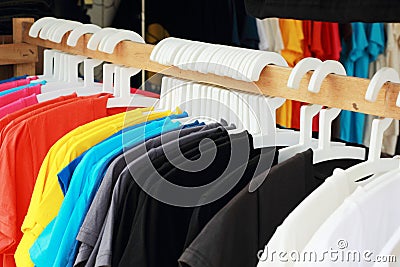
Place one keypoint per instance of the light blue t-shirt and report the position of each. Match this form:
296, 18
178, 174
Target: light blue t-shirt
12, 90
57, 247
368, 41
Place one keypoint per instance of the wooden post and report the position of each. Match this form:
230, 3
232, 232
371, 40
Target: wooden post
23, 68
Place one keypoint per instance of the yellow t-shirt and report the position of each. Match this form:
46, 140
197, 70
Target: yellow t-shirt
292, 36
47, 196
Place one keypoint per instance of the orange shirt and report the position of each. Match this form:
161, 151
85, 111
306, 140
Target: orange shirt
8, 259
22, 152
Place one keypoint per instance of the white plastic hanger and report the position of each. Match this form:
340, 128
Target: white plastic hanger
376, 165
124, 98
106, 40
107, 45
66, 73
78, 32
60, 31
38, 25
49, 28
98, 36
307, 112
326, 151
284, 137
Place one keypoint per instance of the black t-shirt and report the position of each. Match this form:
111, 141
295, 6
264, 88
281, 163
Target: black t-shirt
236, 233
160, 231
92, 226
121, 207
336, 11
133, 216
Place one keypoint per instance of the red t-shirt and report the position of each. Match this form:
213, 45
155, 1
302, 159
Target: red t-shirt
321, 40
22, 152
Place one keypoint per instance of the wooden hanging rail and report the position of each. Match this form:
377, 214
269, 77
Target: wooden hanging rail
337, 91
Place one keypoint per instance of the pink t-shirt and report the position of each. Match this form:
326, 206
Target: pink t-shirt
18, 105
144, 93
9, 98
17, 83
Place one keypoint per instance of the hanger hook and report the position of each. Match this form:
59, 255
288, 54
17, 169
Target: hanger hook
38, 25
61, 30
326, 68
109, 43
80, 31
305, 65
97, 37
380, 78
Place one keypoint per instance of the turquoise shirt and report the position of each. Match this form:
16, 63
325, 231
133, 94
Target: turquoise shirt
368, 41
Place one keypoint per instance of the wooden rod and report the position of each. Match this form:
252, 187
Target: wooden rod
346, 93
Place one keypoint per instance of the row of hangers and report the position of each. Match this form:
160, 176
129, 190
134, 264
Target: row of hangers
251, 112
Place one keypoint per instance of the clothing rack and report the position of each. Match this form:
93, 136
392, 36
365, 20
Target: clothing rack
347, 93
21, 55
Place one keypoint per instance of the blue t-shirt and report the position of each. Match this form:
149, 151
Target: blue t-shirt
14, 79
65, 175
368, 41
58, 246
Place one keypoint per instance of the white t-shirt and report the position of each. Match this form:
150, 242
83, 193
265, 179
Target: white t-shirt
299, 227
390, 254
270, 35
360, 228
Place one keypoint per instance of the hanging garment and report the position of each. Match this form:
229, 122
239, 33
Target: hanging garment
14, 83
58, 248
392, 248
150, 241
248, 221
93, 226
299, 227
374, 219
9, 127
23, 112
18, 105
14, 79
126, 181
46, 194
270, 35
28, 142
393, 61
321, 40
11, 97
19, 88
334, 11
356, 57
10, 9
380, 62
292, 35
